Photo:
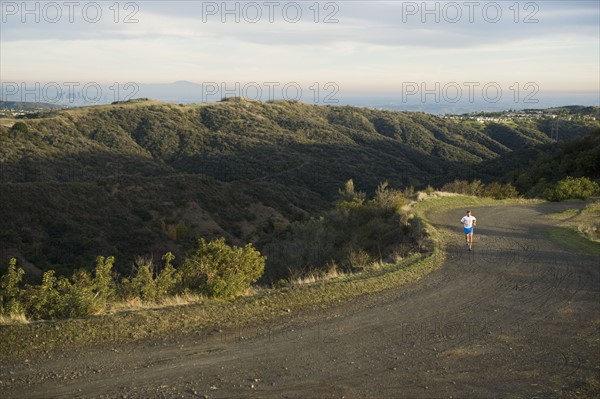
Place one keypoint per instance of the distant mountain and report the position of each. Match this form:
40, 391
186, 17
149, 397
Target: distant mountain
142, 177
188, 92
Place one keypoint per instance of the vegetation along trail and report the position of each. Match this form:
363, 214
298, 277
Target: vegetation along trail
516, 317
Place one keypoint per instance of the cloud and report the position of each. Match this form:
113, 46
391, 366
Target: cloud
383, 23
372, 44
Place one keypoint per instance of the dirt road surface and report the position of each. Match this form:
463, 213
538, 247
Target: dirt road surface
519, 316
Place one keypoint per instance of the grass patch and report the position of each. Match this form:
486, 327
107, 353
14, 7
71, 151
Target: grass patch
586, 221
592, 208
138, 304
14, 319
565, 214
573, 239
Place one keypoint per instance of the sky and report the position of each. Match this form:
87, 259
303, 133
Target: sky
431, 51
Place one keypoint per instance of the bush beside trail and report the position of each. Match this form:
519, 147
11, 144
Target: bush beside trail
220, 270
572, 188
493, 190
567, 188
224, 272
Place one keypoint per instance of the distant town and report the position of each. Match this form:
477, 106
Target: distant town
563, 113
17, 110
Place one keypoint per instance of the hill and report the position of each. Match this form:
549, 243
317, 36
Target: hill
531, 169
142, 177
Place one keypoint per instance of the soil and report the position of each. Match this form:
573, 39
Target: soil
519, 316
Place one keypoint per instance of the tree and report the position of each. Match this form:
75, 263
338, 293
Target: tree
19, 128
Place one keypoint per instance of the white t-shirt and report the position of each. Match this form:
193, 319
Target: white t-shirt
468, 221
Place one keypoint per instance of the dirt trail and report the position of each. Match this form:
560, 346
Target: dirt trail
517, 317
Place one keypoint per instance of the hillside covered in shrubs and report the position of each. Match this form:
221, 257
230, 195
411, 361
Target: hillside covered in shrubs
140, 179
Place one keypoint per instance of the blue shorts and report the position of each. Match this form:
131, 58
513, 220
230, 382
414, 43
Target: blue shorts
468, 230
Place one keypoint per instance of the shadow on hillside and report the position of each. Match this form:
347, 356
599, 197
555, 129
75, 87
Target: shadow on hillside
63, 211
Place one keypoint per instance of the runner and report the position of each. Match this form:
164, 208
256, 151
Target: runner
469, 222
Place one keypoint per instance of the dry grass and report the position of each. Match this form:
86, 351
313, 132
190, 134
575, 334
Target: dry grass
421, 195
334, 273
137, 304
312, 278
14, 319
593, 208
590, 231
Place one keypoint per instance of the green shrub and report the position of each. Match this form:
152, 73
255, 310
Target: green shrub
80, 296
10, 292
464, 187
43, 301
60, 298
148, 287
476, 187
19, 127
168, 280
500, 191
104, 283
142, 285
349, 196
54, 298
389, 199
571, 188
408, 192
220, 270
